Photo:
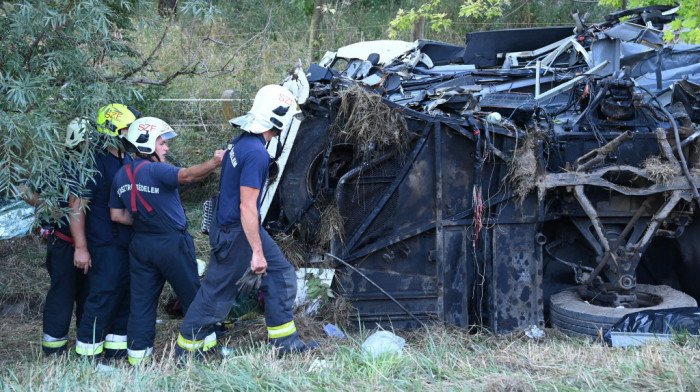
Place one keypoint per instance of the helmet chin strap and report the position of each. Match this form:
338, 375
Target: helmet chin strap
149, 157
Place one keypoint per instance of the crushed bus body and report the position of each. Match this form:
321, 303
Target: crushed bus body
531, 176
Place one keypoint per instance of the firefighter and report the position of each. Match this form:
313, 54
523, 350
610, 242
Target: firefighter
241, 248
145, 194
101, 246
68, 285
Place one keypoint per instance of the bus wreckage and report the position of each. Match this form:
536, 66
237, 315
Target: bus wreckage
540, 176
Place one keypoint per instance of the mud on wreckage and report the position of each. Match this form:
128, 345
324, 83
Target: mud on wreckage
530, 175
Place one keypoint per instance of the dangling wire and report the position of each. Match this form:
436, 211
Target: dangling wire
478, 206
481, 151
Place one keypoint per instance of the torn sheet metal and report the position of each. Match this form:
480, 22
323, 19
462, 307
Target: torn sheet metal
387, 50
635, 33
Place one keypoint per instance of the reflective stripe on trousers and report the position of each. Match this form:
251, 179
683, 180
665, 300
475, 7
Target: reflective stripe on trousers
49, 341
282, 330
204, 344
88, 349
115, 342
140, 356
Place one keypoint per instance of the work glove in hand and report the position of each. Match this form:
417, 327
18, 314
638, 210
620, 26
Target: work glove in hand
250, 281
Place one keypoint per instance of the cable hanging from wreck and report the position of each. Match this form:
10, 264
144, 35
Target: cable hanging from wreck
345, 263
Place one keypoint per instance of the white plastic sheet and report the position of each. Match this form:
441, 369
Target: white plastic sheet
383, 342
16, 217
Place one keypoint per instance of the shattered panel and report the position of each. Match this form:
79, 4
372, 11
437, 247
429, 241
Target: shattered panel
408, 272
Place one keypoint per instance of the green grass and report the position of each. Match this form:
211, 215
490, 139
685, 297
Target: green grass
439, 359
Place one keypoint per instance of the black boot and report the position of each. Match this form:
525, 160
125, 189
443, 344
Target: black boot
292, 344
115, 355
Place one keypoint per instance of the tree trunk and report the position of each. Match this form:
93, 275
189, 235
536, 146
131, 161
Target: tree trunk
315, 31
418, 31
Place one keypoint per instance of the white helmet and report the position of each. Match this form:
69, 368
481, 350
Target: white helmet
144, 132
76, 131
273, 108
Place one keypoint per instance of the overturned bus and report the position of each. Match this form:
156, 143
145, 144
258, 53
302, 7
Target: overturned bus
541, 176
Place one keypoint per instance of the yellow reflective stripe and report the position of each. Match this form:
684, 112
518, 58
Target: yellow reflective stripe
54, 344
137, 361
209, 342
89, 348
49, 341
115, 342
187, 344
205, 344
49, 338
140, 356
115, 346
282, 330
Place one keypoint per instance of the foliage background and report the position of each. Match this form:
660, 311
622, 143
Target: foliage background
66, 58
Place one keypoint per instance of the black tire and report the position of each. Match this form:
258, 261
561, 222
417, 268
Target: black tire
570, 314
294, 189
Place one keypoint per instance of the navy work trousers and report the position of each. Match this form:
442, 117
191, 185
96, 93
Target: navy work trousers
155, 258
106, 310
68, 289
230, 259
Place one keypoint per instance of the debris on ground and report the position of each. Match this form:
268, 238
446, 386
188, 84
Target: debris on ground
333, 331
383, 342
16, 218
639, 328
534, 332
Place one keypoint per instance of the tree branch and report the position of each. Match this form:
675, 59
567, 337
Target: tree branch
32, 48
191, 67
147, 60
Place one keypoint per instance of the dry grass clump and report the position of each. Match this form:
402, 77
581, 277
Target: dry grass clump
21, 338
246, 331
660, 171
368, 122
331, 226
292, 249
523, 167
24, 279
337, 312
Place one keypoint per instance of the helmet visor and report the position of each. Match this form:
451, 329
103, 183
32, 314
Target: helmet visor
168, 135
252, 122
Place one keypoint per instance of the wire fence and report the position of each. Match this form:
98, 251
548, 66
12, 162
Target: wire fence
204, 113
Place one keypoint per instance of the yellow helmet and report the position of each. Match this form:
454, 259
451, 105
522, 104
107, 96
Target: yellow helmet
115, 116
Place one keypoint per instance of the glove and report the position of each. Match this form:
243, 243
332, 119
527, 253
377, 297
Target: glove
249, 282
